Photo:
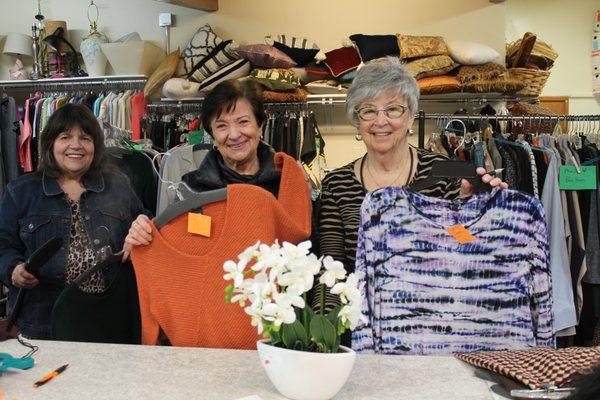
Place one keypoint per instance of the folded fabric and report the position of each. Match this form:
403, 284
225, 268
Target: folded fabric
224, 53
298, 95
266, 56
276, 79
235, 70
180, 88
430, 66
471, 53
201, 44
439, 84
375, 46
467, 73
326, 87
342, 60
537, 366
421, 46
496, 85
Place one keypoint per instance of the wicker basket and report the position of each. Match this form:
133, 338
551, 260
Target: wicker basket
542, 54
533, 79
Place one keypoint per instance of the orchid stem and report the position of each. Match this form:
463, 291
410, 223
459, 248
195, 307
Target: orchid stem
305, 311
322, 305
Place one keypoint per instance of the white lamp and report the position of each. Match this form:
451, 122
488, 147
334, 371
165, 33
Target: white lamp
18, 45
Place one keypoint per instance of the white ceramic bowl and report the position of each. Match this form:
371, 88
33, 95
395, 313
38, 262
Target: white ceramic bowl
301, 375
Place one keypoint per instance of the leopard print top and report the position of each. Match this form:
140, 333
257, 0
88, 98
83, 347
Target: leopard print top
81, 254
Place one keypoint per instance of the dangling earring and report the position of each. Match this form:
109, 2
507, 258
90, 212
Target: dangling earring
215, 147
358, 136
410, 132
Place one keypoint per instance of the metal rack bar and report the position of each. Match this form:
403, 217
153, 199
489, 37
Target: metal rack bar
533, 118
108, 82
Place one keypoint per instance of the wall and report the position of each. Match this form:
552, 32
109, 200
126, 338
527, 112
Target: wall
326, 22
567, 27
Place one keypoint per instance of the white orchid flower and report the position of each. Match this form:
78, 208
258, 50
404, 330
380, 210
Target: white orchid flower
235, 272
292, 251
254, 312
348, 290
334, 270
351, 316
280, 311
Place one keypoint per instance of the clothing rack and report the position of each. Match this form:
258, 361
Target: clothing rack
78, 83
422, 116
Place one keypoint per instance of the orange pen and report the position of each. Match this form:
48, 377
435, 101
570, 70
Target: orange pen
50, 376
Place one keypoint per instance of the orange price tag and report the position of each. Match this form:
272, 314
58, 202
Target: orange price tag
199, 224
461, 234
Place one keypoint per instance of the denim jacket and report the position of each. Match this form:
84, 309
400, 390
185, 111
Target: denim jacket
35, 209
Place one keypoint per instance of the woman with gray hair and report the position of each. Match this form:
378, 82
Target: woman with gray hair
381, 103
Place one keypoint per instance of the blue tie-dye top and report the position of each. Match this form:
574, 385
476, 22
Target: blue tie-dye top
425, 293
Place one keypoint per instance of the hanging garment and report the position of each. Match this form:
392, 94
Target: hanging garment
112, 316
428, 294
180, 276
176, 163
563, 306
138, 168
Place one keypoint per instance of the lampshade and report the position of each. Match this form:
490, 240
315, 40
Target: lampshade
18, 44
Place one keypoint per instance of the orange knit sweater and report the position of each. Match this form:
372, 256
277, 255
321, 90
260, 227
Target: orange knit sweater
180, 275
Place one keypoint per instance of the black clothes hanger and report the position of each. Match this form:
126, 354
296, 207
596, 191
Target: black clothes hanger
37, 259
192, 201
451, 169
202, 146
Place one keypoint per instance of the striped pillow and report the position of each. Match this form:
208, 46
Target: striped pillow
201, 44
219, 57
235, 70
291, 41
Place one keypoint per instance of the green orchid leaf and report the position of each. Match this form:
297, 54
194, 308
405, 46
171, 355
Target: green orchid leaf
333, 316
293, 333
275, 337
323, 332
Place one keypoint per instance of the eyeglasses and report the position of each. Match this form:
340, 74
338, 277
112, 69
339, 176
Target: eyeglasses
393, 111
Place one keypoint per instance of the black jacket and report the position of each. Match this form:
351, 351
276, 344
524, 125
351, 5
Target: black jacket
213, 174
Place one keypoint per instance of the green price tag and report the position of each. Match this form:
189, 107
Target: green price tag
570, 179
138, 147
195, 137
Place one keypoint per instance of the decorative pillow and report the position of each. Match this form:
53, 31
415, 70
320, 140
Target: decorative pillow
276, 79
220, 56
430, 66
421, 46
312, 72
375, 46
235, 70
300, 56
347, 77
266, 56
468, 73
179, 88
470, 53
298, 95
439, 84
165, 71
203, 41
291, 41
342, 60
497, 85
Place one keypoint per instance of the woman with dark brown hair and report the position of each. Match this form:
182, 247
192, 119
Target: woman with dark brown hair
71, 196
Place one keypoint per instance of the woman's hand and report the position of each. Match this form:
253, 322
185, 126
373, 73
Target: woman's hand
140, 233
467, 190
22, 279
